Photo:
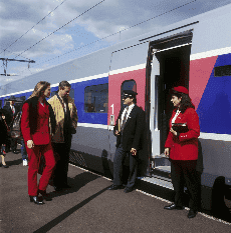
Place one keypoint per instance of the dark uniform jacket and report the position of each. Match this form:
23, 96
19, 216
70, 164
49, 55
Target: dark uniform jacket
3, 128
132, 135
10, 115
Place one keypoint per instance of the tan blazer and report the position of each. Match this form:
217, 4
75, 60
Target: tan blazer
58, 137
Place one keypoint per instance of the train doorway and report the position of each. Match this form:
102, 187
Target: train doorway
169, 68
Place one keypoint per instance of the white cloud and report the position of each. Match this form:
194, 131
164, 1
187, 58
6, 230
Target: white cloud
111, 16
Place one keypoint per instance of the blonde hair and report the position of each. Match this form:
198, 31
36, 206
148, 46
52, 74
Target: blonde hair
39, 88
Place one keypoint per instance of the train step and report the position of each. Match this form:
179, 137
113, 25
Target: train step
162, 171
157, 180
160, 166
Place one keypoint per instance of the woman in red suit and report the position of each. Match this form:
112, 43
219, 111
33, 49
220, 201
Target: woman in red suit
36, 113
182, 148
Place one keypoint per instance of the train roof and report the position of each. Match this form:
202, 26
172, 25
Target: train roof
212, 30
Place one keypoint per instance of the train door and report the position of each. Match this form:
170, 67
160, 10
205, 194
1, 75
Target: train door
169, 68
127, 72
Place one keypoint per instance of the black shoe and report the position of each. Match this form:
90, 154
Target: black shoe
173, 207
35, 200
192, 213
5, 166
45, 196
57, 188
128, 189
115, 187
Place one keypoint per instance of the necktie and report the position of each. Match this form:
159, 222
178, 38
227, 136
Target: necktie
67, 119
124, 118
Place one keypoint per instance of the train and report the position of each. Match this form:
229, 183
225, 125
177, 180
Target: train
195, 53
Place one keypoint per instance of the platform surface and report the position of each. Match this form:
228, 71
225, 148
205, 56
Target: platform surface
89, 207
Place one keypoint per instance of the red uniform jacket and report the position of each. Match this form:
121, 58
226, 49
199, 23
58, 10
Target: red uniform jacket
186, 146
41, 136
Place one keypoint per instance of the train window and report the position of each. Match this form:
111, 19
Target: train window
19, 101
71, 94
0, 103
220, 71
128, 85
53, 93
23, 98
96, 98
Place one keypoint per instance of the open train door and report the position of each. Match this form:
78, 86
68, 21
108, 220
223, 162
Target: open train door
169, 67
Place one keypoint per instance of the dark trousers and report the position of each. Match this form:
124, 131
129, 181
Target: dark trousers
8, 143
23, 150
62, 151
120, 156
184, 172
11, 143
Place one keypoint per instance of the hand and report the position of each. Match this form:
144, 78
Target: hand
173, 132
117, 133
30, 144
133, 151
166, 152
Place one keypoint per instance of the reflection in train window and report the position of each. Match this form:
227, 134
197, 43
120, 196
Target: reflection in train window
128, 85
96, 98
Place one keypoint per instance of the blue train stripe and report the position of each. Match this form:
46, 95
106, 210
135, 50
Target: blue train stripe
214, 109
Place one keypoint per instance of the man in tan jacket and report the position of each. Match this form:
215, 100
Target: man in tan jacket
66, 122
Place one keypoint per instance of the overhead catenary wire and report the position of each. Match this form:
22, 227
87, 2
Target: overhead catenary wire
176, 8
34, 26
15, 54
30, 30
62, 27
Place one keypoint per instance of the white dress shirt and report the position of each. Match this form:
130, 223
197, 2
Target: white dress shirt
129, 109
176, 115
12, 108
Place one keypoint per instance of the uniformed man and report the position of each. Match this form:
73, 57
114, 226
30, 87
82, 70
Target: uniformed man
12, 111
129, 129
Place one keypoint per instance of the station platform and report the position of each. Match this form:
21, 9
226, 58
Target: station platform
89, 207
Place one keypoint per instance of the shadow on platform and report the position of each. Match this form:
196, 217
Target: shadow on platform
67, 213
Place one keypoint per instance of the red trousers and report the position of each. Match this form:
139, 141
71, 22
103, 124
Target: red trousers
34, 156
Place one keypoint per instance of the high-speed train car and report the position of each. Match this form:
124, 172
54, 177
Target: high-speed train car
195, 53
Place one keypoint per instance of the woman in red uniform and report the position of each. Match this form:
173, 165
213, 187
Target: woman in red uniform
36, 113
182, 148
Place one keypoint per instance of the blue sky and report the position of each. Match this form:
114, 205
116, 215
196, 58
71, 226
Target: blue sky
78, 38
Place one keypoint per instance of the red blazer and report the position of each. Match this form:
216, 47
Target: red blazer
41, 136
186, 146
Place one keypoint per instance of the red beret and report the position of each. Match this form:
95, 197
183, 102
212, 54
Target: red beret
181, 89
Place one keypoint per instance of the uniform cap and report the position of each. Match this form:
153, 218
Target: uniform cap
181, 89
129, 93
